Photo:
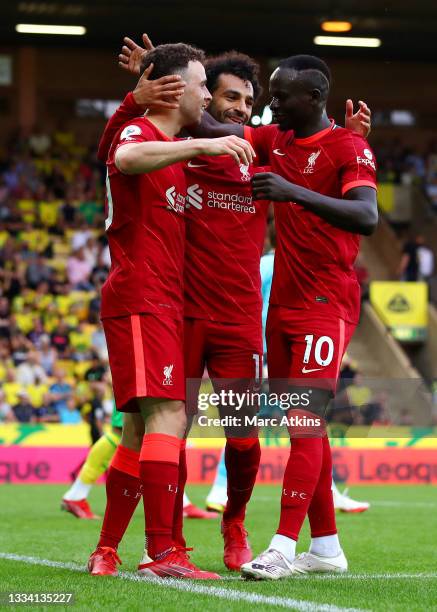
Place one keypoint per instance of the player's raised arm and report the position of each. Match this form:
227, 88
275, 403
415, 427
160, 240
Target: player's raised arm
137, 158
356, 211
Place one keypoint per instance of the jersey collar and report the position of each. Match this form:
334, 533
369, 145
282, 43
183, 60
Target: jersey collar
317, 136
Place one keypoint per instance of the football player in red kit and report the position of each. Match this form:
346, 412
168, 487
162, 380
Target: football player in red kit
222, 309
323, 183
225, 231
142, 312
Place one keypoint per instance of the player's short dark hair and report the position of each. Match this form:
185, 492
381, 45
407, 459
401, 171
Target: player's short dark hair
314, 68
237, 64
170, 59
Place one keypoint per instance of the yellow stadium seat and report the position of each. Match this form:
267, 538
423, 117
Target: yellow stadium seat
44, 165
80, 340
61, 249
4, 235
51, 320
28, 209
25, 321
49, 212
77, 296
81, 367
11, 391
42, 302
63, 303
36, 394
58, 264
67, 365
71, 320
37, 240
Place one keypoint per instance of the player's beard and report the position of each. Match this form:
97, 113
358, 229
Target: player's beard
226, 116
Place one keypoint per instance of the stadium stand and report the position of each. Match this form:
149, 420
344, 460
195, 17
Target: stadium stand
51, 268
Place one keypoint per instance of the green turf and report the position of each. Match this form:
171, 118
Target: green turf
397, 535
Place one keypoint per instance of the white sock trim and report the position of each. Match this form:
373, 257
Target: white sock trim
78, 490
326, 546
286, 546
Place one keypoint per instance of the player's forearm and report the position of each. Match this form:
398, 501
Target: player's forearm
146, 157
211, 128
353, 215
127, 110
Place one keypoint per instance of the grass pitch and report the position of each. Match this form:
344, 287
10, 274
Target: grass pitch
392, 553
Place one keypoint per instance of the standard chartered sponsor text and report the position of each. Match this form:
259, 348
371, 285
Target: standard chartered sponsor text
231, 201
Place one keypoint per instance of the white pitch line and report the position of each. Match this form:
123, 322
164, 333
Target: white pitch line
406, 504
194, 588
346, 576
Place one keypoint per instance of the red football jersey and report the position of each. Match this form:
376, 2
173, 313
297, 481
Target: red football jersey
146, 232
225, 232
314, 260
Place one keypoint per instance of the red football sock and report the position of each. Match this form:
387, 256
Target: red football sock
300, 480
242, 457
321, 512
159, 471
178, 516
123, 492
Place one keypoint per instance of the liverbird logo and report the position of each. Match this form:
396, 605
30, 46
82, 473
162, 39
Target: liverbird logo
312, 162
168, 380
244, 169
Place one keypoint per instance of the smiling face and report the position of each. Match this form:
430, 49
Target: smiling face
232, 100
294, 102
196, 96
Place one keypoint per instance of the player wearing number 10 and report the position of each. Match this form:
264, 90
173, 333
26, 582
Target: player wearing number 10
324, 188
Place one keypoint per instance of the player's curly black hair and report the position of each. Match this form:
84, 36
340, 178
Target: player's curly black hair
237, 64
169, 59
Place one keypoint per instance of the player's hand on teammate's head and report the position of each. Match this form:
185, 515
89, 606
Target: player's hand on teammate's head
162, 93
132, 54
241, 150
359, 122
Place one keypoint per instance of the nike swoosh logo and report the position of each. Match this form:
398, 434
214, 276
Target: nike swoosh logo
191, 165
308, 370
278, 152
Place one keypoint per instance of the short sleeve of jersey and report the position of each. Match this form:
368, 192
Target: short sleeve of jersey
261, 140
358, 164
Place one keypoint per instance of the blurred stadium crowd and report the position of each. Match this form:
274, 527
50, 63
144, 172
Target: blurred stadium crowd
54, 258
404, 165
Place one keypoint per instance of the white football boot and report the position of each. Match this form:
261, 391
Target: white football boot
217, 499
309, 563
269, 565
344, 503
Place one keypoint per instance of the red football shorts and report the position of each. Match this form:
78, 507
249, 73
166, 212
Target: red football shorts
304, 346
146, 358
229, 351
